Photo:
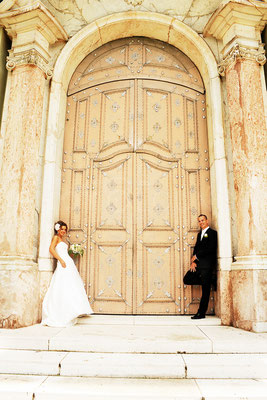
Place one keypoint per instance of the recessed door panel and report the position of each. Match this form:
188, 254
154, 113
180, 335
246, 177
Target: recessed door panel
111, 238
157, 237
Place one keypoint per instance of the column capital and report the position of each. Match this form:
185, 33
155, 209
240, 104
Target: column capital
238, 52
32, 29
238, 25
29, 57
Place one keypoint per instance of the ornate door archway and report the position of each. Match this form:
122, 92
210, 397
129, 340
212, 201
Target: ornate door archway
136, 175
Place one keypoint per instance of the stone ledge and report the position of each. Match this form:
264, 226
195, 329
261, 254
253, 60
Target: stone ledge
17, 263
257, 262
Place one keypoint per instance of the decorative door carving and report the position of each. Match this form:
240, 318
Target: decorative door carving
136, 175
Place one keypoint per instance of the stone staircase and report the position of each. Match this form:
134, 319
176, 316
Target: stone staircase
133, 357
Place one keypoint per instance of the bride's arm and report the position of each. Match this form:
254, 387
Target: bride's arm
52, 250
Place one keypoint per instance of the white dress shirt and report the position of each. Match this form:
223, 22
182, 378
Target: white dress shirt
203, 232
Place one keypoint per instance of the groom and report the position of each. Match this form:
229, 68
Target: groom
203, 263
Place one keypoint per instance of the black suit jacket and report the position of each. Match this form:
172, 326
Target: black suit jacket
206, 250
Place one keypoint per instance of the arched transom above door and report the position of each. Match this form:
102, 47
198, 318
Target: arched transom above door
136, 58
136, 175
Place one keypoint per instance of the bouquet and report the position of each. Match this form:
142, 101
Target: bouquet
76, 249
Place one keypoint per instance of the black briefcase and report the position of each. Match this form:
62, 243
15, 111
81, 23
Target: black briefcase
192, 278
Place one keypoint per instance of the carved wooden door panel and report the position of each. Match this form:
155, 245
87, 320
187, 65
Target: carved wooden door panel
97, 193
173, 183
135, 176
157, 237
111, 239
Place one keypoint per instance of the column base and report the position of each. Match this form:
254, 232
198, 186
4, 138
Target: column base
19, 295
224, 297
248, 286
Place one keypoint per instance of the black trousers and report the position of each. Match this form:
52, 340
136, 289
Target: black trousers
204, 278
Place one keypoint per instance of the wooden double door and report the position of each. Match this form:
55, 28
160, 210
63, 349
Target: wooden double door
135, 176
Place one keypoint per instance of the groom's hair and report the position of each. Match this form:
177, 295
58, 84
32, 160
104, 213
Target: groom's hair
203, 215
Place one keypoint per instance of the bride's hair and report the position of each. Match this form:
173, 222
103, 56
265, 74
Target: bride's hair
58, 225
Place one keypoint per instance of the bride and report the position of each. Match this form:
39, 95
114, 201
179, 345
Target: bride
65, 298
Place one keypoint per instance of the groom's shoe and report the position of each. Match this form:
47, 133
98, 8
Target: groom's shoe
198, 316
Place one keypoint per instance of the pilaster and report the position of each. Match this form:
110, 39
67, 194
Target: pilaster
32, 30
237, 26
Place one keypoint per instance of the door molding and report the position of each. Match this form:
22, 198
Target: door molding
94, 35
135, 212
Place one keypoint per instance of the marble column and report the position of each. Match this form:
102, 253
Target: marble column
248, 133
32, 30
238, 27
20, 162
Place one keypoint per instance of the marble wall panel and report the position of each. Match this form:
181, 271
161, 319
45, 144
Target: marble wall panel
195, 14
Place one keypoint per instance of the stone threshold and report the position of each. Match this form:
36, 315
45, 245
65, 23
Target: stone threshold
166, 320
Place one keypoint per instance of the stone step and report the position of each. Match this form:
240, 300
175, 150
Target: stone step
127, 365
147, 338
17, 387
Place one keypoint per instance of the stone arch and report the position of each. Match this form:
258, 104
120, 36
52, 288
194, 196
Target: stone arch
99, 32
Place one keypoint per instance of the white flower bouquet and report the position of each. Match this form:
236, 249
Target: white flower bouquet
76, 249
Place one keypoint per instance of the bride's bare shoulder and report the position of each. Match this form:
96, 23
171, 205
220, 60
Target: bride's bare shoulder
55, 240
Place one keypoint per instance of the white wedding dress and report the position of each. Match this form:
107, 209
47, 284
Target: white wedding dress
65, 298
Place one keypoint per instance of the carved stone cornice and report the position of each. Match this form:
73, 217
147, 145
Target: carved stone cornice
233, 18
30, 57
33, 29
239, 52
